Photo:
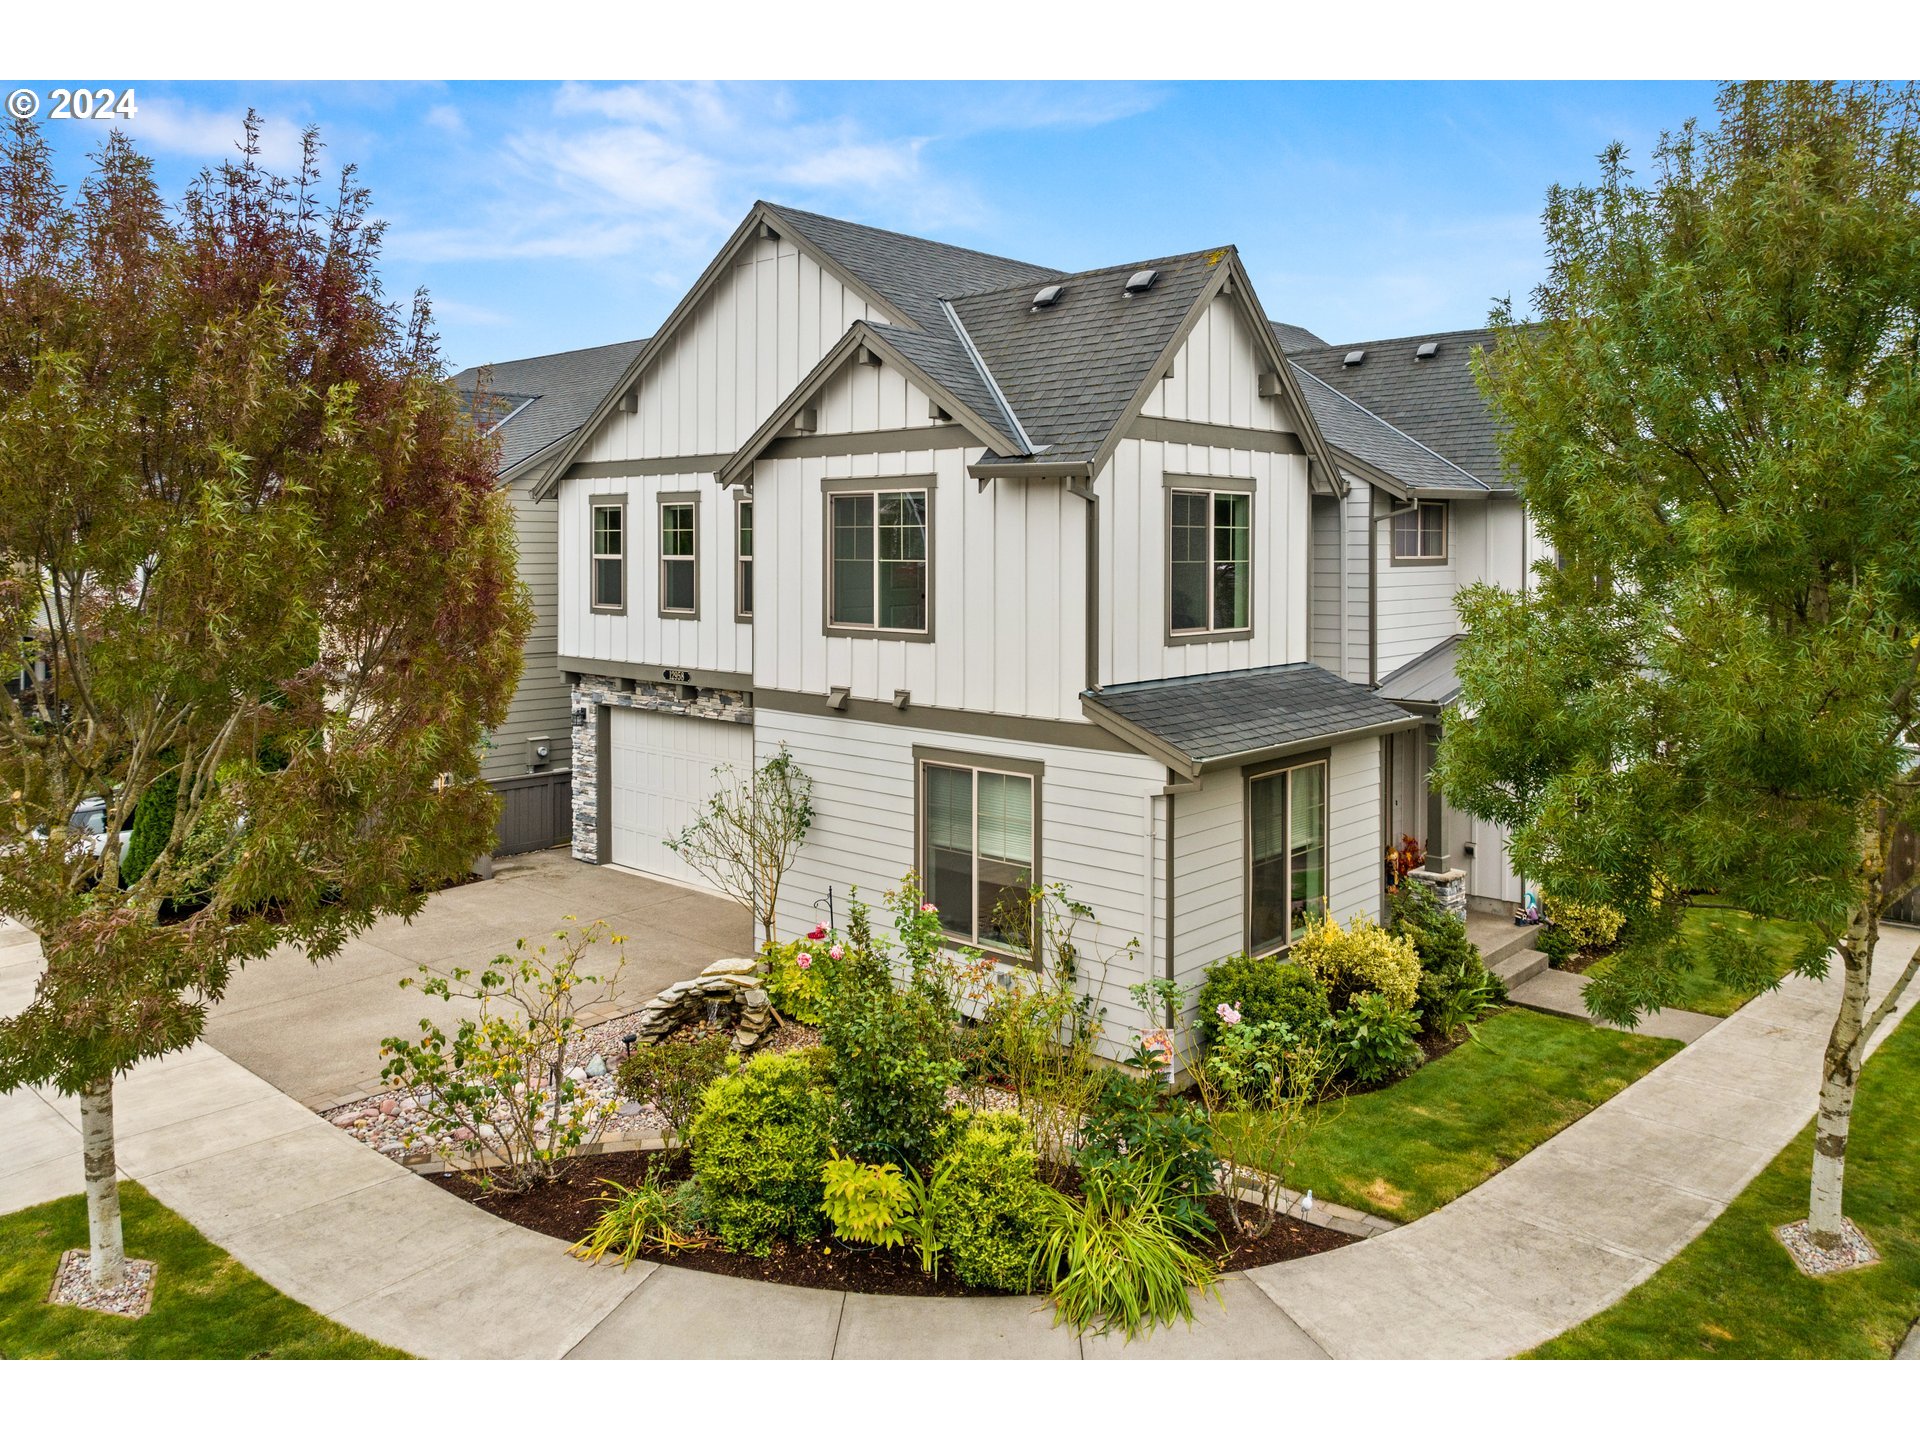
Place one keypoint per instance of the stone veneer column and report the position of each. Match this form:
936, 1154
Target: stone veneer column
1449, 888
586, 773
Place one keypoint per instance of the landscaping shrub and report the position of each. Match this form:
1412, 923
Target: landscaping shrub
1134, 1131
890, 1058
759, 1141
1363, 959
865, 1203
1247, 1059
650, 1213
673, 1076
1115, 1260
797, 990
1459, 996
152, 823
1263, 990
1556, 944
992, 1205
1586, 926
1455, 988
1375, 1040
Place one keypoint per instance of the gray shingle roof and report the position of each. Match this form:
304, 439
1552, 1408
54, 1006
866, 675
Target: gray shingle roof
1295, 337
1435, 401
912, 273
1069, 370
1239, 715
560, 393
1428, 680
1365, 436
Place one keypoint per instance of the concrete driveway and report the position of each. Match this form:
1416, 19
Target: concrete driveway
314, 1031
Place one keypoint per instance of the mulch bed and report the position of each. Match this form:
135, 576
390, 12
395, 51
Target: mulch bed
567, 1209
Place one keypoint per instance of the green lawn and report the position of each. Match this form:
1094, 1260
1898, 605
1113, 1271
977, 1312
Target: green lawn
1734, 1293
1410, 1148
206, 1305
1706, 993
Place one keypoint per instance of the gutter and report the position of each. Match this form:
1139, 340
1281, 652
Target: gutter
1092, 658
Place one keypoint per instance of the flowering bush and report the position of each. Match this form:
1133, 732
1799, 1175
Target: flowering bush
1403, 859
795, 980
1361, 960
1260, 991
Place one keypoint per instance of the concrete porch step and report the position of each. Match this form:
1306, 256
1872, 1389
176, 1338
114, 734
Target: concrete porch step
1497, 936
1517, 967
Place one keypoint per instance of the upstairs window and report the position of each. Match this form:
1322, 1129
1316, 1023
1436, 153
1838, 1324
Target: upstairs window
877, 573
1420, 533
1210, 569
743, 558
679, 567
609, 580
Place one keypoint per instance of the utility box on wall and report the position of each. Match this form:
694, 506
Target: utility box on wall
539, 752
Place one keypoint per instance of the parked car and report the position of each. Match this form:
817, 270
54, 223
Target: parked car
89, 823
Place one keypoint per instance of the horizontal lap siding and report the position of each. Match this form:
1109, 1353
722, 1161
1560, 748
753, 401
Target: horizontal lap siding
1356, 858
1094, 832
541, 704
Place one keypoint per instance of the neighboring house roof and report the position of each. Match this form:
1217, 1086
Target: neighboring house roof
1295, 337
1427, 682
538, 402
1364, 436
1436, 401
1203, 722
1071, 369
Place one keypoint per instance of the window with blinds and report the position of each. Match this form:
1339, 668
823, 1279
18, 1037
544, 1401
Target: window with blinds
1286, 854
978, 860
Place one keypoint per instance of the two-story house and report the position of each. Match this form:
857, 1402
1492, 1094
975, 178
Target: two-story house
1019, 565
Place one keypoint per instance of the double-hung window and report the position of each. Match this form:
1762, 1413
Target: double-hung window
609, 570
1420, 532
878, 565
1210, 562
979, 846
1286, 853
743, 558
679, 563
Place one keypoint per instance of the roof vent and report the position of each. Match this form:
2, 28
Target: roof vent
1048, 295
1141, 281
1355, 357
1427, 350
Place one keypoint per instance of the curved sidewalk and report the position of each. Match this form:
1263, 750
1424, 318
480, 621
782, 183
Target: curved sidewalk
1554, 1238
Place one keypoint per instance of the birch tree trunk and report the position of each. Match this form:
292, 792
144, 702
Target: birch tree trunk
108, 1250
1839, 1080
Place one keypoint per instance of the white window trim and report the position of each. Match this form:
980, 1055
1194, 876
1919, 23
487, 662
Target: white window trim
1419, 530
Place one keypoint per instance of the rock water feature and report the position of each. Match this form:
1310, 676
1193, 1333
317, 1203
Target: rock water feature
727, 992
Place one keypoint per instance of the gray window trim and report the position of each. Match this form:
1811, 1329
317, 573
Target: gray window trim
742, 616
1261, 771
596, 503
660, 503
925, 755
874, 485
1446, 538
1209, 486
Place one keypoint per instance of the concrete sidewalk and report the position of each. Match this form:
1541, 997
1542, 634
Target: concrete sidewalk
1556, 1237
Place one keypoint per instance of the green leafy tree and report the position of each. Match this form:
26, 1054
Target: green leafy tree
241, 515
1710, 700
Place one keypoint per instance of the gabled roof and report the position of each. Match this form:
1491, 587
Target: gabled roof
1071, 370
1392, 456
1203, 722
537, 402
1296, 337
1436, 401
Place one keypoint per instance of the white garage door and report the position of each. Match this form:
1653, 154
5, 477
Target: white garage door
662, 776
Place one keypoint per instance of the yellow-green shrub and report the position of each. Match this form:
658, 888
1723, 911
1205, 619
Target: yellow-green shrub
1587, 926
1360, 959
796, 990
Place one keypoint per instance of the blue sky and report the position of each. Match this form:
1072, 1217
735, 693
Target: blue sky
546, 216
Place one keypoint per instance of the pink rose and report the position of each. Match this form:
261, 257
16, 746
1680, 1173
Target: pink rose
803, 960
929, 909
834, 952
1228, 1015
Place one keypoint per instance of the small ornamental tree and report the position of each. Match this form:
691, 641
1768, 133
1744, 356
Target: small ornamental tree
241, 517
1711, 700
750, 833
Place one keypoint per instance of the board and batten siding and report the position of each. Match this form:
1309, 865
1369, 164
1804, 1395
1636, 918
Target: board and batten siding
541, 704
1008, 577
733, 358
1415, 601
1096, 836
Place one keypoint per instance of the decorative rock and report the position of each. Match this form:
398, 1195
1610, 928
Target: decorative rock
389, 1106
596, 1067
346, 1121
733, 967
577, 1073
755, 999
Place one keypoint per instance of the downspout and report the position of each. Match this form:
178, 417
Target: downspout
1084, 489
1174, 787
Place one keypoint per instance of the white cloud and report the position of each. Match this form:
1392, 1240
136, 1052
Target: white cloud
446, 118
660, 171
